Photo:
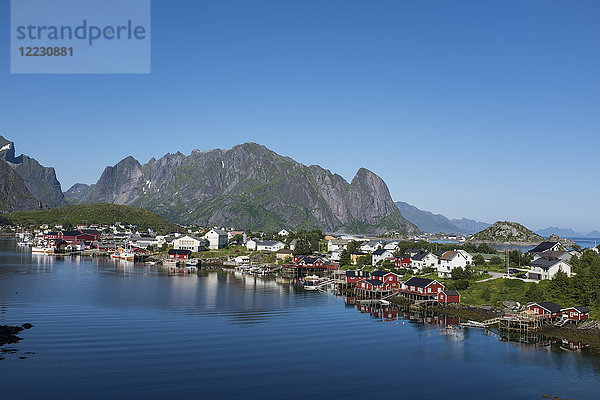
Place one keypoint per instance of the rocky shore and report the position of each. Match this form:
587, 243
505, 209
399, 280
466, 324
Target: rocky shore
8, 334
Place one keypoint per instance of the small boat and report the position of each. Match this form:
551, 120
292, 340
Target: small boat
42, 249
310, 285
126, 255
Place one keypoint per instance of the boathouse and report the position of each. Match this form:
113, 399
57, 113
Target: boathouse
448, 296
391, 281
579, 313
547, 308
177, 254
422, 288
370, 285
352, 277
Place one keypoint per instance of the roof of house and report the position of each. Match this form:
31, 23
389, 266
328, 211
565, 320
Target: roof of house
545, 263
191, 237
543, 247
451, 293
554, 254
550, 306
374, 282
218, 231
379, 273
72, 233
339, 241
420, 255
356, 273
379, 252
419, 282
439, 253
310, 260
180, 252
449, 255
582, 309
268, 243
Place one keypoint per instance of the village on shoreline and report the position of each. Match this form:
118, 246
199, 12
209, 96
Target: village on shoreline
448, 268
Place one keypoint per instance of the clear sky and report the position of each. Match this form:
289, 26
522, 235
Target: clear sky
473, 108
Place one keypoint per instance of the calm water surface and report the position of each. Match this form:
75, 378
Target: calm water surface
107, 329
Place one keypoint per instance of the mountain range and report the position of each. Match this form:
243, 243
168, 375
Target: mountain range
248, 186
437, 223
566, 232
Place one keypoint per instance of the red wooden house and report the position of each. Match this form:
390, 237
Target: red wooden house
311, 262
422, 287
352, 277
579, 313
402, 262
448, 296
392, 281
74, 236
370, 285
547, 308
175, 254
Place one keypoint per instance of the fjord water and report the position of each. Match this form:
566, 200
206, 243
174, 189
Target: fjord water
107, 329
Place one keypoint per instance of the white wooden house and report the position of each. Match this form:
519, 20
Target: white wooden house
453, 259
189, 242
217, 239
546, 268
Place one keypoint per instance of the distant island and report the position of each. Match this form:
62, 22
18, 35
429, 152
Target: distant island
513, 233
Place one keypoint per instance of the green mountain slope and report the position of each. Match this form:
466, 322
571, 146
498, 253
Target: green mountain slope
92, 214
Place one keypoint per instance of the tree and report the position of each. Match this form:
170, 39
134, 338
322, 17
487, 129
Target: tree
364, 260
237, 238
478, 259
485, 249
302, 248
353, 246
459, 273
495, 260
345, 258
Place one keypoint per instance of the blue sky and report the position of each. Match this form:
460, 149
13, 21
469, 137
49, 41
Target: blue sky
474, 108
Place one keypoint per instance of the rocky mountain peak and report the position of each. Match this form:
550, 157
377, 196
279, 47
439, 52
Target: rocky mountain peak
40, 181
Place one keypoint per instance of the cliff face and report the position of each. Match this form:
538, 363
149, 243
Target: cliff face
77, 193
40, 181
250, 186
14, 195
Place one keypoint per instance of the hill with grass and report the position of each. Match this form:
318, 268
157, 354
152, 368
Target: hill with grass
102, 214
506, 232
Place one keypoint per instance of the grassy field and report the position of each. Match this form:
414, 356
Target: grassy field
495, 291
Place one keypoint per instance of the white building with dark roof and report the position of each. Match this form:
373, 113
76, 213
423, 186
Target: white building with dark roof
269, 245
453, 259
217, 239
546, 268
189, 242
